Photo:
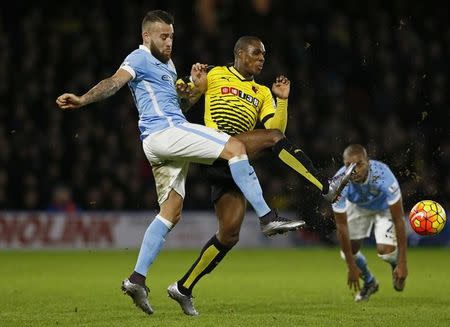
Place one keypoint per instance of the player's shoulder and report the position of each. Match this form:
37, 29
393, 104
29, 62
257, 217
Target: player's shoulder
139, 52
218, 70
378, 166
381, 174
262, 88
137, 56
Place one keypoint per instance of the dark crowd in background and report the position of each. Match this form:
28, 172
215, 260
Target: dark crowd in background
373, 73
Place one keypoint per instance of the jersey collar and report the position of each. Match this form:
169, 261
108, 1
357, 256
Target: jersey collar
238, 75
143, 47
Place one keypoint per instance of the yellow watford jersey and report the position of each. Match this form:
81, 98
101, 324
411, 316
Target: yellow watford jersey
233, 104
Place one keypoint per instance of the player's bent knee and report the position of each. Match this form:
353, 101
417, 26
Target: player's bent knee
275, 135
172, 207
389, 257
233, 148
229, 240
385, 248
232, 241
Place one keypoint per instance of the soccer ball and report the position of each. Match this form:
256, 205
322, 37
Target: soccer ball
427, 217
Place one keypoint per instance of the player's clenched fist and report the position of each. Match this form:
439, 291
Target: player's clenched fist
68, 101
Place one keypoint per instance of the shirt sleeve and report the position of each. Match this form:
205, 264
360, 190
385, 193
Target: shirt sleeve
133, 64
341, 205
268, 107
279, 119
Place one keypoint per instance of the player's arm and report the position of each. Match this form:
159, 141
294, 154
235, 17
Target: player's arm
394, 200
102, 90
191, 89
280, 89
344, 240
396, 209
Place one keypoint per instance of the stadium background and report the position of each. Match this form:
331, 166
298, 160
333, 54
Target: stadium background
373, 73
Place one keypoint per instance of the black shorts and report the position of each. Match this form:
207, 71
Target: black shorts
220, 178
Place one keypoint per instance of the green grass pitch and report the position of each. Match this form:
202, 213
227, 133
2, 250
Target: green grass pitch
295, 287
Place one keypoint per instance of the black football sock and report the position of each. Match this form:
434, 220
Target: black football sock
137, 278
296, 159
212, 253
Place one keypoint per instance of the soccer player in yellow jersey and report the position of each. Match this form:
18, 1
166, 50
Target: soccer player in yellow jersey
234, 103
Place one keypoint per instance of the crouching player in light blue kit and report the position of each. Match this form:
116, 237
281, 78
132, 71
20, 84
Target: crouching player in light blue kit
371, 199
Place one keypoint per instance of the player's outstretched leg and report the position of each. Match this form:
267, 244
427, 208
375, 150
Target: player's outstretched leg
245, 178
297, 160
337, 183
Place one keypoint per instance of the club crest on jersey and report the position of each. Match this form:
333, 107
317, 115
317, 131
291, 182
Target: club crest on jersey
234, 91
167, 78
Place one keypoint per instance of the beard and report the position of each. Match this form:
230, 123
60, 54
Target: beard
158, 54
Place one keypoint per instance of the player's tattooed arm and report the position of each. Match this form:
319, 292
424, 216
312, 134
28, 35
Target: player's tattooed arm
102, 90
107, 87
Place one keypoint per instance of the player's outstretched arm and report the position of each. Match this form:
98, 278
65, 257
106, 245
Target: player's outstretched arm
102, 90
401, 271
354, 272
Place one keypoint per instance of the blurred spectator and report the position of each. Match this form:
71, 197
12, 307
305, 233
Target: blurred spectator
62, 200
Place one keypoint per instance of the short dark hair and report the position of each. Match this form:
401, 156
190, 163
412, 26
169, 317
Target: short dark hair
157, 16
244, 41
355, 149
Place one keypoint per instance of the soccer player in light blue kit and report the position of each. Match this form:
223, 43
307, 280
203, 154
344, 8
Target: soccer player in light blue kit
371, 199
170, 142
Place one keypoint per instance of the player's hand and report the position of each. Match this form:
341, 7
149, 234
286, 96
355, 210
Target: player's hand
400, 273
198, 74
69, 101
281, 87
354, 273
184, 90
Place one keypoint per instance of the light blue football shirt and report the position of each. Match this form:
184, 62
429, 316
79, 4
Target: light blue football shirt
153, 90
378, 192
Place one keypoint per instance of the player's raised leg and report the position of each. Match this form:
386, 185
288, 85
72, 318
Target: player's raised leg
201, 144
245, 178
257, 140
